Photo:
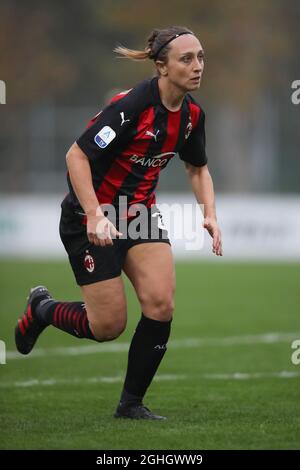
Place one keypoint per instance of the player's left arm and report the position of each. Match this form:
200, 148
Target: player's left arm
203, 188
194, 156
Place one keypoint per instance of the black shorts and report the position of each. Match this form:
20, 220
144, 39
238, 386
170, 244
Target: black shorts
91, 263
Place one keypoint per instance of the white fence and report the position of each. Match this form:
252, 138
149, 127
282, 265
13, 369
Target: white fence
254, 227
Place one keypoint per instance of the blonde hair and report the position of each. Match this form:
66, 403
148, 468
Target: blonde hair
155, 49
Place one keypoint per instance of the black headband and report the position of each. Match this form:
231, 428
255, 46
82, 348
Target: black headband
171, 39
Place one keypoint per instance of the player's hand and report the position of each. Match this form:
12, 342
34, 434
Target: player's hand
212, 227
100, 230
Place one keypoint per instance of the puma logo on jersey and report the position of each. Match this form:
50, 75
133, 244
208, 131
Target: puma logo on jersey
123, 120
153, 135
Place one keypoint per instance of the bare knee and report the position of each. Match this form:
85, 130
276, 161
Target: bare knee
108, 329
105, 304
159, 306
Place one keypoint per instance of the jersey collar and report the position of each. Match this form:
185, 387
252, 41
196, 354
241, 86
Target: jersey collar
156, 96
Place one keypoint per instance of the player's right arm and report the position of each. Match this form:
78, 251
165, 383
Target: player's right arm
99, 228
100, 141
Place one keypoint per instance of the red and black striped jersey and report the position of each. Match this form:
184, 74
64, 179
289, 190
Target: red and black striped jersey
133, 138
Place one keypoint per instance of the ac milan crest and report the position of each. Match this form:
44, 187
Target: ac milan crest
89, 263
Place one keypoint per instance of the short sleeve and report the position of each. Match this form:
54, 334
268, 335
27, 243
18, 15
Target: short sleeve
194, 151
108, 131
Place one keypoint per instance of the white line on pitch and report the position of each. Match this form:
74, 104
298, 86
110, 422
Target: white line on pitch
163, 377
78, 380
186, 343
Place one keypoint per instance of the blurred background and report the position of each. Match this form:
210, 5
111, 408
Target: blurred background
229, 379
59, 69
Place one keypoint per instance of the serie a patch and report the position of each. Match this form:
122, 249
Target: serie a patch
104, 137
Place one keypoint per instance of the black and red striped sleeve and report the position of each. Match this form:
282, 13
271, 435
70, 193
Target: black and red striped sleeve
107, 132
194, 149
110, 131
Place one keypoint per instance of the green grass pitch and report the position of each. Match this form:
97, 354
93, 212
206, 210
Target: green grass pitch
226, 382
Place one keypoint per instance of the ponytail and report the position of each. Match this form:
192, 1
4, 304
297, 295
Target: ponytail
124, 53
157, 45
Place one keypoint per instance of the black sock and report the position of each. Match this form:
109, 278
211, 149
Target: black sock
148, 346
67, 316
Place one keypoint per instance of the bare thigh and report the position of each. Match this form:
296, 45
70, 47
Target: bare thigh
105, 303
150, 268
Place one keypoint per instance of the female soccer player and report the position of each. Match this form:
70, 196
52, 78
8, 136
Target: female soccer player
115, 164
